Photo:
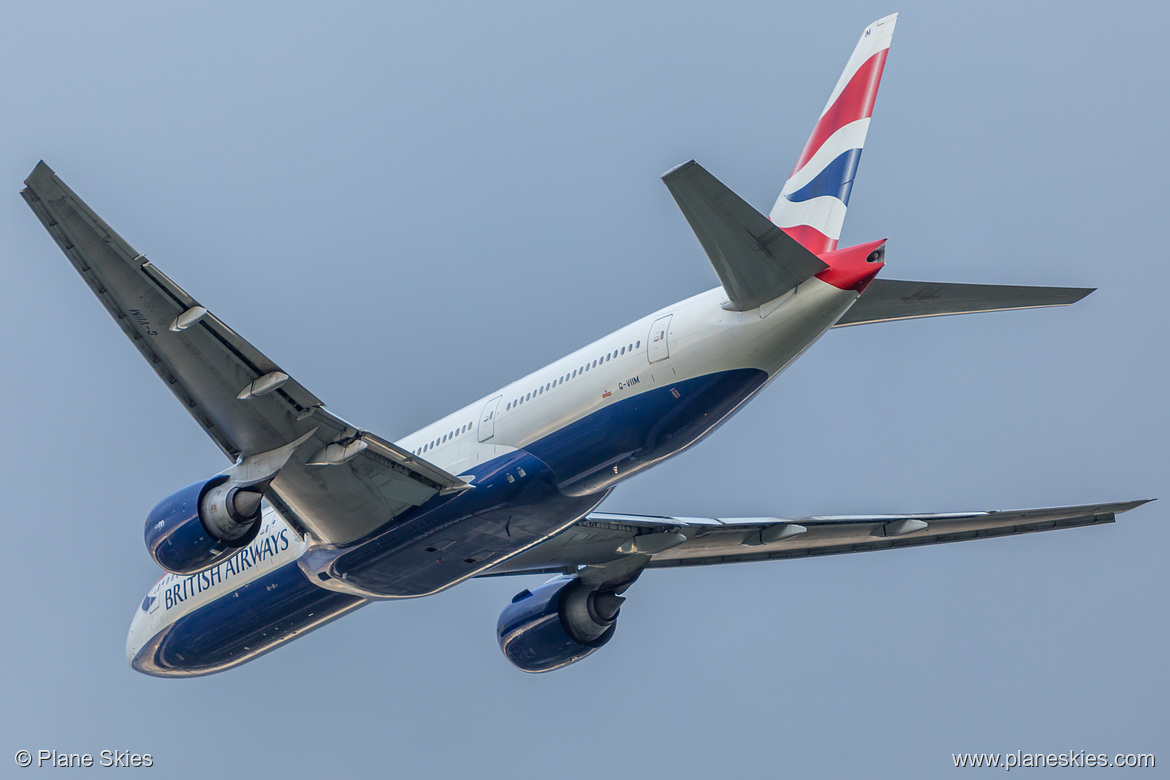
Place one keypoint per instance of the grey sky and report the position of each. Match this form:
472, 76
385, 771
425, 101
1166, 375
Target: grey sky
409, 205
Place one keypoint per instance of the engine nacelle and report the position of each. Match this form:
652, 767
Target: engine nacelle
202, 524
557, 624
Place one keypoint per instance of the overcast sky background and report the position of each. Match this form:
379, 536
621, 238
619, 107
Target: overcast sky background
409, 205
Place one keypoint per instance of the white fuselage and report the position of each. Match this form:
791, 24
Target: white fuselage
691, 339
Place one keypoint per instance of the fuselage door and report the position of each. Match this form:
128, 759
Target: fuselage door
656, 347
487, 418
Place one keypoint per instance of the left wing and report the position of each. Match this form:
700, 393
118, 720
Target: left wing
340, 483
604, 539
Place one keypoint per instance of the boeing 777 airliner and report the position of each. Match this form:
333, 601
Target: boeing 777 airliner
317, 517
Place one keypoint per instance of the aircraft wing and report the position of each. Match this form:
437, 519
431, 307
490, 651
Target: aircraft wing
341, 483
604, 539
891, 299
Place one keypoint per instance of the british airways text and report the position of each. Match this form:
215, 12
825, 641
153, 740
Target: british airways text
261, 550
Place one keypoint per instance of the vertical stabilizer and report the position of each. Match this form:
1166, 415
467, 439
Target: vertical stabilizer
811, 206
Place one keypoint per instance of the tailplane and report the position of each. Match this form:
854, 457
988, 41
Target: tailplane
755, 260
811, 206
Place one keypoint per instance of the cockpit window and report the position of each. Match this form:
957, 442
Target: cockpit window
146, 602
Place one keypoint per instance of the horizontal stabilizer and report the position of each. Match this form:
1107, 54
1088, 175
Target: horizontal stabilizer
890, 299
755, 260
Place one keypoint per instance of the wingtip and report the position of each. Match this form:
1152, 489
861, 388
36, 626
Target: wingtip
678, 169
1128, 505
39, 172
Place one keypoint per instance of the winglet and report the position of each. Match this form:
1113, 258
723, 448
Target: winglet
756, 261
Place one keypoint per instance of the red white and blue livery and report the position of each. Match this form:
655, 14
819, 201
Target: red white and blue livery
316, 516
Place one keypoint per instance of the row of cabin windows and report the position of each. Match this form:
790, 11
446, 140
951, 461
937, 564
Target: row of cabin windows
572, 374
444, 438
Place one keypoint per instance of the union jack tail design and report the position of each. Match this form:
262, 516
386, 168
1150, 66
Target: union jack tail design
811, 207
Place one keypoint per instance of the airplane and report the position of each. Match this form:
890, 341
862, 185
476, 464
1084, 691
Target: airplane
317, 517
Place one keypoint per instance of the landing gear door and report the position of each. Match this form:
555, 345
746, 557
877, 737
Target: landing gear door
656, 344
487, 418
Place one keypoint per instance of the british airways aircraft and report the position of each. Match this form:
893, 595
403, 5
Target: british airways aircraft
316, 516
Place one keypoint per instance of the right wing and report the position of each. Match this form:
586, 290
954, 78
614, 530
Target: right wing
889, 299
340, 483
603, 539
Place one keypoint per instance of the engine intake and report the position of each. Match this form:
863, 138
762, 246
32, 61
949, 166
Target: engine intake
557, 624
202, 524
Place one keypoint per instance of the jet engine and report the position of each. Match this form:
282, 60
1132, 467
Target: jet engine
202, 524
557, 624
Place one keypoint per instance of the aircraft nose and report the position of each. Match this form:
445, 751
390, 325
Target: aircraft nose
136, 637
133, 645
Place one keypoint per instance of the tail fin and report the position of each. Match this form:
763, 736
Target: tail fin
811, 206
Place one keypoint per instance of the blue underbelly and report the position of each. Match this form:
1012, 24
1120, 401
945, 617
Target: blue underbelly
519, 500
241, 625
525, 497
611, 444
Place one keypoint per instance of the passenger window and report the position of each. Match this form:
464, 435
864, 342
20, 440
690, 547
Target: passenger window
638, 343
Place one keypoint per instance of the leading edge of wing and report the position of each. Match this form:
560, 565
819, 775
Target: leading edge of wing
596, 540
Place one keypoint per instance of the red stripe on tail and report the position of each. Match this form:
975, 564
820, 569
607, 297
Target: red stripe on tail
811, 239
855, 102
